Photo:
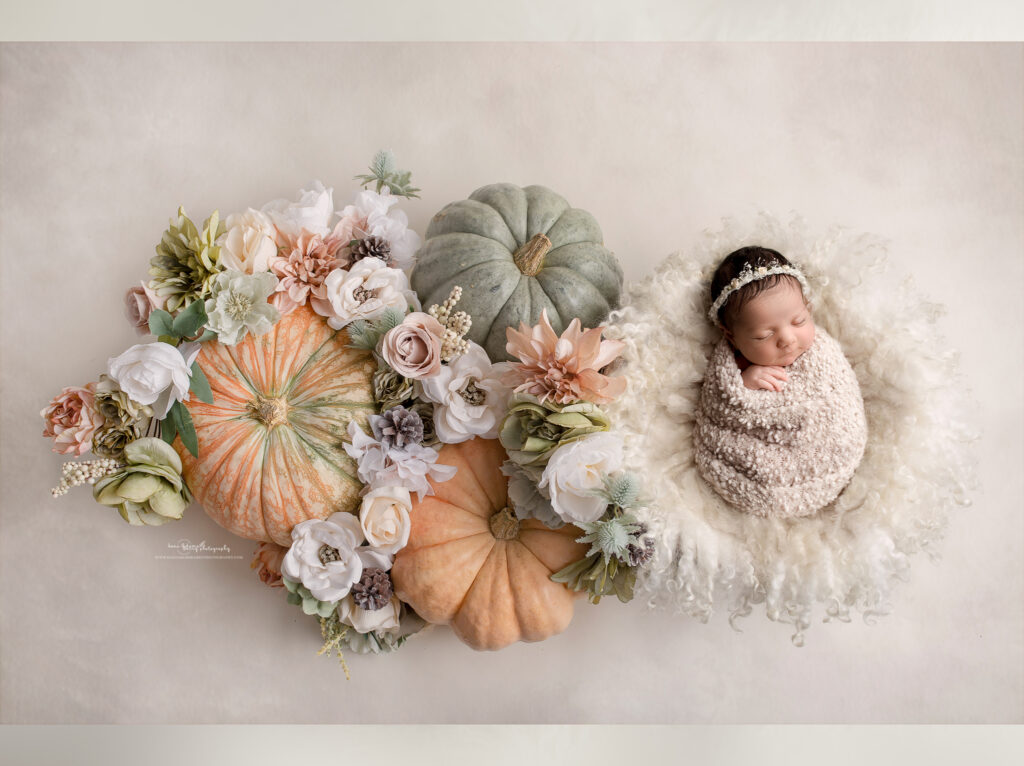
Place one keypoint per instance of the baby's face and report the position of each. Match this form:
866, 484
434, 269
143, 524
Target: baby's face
774, 328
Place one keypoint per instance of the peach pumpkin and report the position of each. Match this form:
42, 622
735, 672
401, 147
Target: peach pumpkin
471, 564
270, 445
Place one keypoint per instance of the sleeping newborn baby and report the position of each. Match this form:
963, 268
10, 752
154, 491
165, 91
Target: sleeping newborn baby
780, 425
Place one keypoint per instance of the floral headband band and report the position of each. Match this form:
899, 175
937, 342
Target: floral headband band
749, 274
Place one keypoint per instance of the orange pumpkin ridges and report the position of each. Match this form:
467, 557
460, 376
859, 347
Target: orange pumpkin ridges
270, 445
470, 564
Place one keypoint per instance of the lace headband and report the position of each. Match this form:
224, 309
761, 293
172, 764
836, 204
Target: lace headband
749, 274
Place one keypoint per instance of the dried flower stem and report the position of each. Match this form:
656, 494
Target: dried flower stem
456, 325
74, 474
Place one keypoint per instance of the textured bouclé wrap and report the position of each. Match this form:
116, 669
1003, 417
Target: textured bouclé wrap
784, 453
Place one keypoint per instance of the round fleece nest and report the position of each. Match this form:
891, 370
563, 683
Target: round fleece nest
917, 465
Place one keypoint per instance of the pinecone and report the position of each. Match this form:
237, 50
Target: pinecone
373, 591
372, 247
397, 427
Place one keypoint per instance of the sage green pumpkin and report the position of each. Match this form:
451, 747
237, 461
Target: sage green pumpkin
515, 252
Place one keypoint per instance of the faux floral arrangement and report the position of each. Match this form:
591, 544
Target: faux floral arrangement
230, 280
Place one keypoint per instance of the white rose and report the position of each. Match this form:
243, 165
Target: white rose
249, 242
324, 556
470, 397
384, 517
156, 374
366, 620
365, 291
575, 471
312, 212
370, 215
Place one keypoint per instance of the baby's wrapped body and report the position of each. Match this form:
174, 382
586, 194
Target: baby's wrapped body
781, 454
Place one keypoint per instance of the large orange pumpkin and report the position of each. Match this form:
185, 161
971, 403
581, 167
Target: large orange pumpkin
270, 445
471, 564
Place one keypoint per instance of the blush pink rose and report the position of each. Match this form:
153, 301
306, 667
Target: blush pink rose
139, 303
72, 419
413, 348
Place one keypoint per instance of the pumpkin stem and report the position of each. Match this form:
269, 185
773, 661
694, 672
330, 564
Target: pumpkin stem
504, 524
530, 257
269, 412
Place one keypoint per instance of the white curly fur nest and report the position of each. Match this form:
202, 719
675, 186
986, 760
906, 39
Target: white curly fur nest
917, 465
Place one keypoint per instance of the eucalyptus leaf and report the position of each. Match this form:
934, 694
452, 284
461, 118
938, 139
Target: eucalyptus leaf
160, 322
188, 322
186, 428
168, 430
200, 385
208, 335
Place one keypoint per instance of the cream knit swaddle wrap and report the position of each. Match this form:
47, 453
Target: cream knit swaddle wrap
781, 454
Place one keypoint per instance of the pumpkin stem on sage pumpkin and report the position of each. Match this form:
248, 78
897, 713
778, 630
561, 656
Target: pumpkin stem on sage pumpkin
504, 524
530, 257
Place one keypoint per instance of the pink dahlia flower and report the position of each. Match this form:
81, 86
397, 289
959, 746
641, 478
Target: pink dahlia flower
564, 369
72, 419
302, 266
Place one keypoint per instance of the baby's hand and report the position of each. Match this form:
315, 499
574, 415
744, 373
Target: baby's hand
758, 376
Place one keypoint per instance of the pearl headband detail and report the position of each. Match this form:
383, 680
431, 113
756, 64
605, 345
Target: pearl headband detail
750, 274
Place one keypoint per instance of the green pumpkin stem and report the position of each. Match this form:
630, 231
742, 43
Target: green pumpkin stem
530, 257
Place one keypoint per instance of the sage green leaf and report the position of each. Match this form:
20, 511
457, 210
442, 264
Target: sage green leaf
186, 429
208, 335
200, 385
188, 322
160, 322
168, 430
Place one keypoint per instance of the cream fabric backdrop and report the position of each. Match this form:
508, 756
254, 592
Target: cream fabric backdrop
923, 144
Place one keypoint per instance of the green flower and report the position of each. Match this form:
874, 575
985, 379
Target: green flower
186, 261
533, 430
149, 488
389, 388
117, 407
111, 440
238, 305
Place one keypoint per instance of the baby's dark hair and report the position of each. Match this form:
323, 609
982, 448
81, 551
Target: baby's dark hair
730, 268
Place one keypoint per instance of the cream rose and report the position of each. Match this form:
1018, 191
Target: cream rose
384, 517
249, 243
366, 620
413, 348
156, 374
576, 470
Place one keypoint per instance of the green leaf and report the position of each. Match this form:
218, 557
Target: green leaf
208, 335
186, 428
362, 335
200, 385
168, 430
188, 322
389, 320
160, 322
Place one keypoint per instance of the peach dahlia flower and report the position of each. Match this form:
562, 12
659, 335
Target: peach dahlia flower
564, 369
